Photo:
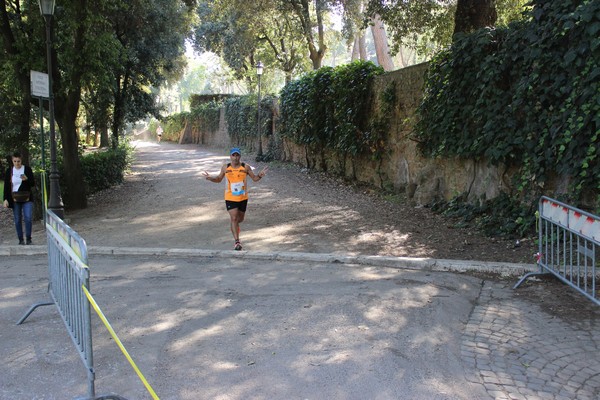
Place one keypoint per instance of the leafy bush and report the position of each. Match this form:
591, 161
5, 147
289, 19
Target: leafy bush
173, 125
329, 108
102, 169
501, 216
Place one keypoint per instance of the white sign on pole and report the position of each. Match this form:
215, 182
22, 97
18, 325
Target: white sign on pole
39, 84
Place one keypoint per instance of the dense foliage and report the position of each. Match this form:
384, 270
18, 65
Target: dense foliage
241, 116
526, 96
203, 116
329, 108
101, 169
108, 57
428, 25
207, 115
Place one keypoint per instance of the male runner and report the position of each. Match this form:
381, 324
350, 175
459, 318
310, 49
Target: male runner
236, 190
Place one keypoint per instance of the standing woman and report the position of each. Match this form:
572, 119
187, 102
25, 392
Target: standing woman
18, 184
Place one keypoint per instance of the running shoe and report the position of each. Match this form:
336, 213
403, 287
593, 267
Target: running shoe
238, 245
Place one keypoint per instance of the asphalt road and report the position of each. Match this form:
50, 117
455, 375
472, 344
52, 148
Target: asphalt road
217, 328
231, 326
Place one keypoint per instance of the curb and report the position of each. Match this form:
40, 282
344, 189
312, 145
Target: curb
413, 263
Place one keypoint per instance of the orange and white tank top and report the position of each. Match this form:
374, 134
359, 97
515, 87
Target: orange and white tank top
237, 189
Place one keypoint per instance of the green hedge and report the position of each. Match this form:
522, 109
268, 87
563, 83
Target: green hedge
241, 117
329, 108
102, 169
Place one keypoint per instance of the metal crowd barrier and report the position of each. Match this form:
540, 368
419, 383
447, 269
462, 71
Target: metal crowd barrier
68, 272
569, 240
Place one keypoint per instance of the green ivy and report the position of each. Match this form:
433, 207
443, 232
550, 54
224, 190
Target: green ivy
379, 125
241, 118
173, 125
206, 116
329, 108
526, 96
500, 216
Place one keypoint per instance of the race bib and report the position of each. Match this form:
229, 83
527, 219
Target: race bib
237, 188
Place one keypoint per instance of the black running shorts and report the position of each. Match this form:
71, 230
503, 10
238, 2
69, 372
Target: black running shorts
240, 205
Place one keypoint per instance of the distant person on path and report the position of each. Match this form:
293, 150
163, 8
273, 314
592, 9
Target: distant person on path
236, 190
18, 184
159, 132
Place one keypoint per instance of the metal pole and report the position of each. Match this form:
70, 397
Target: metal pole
43, 146
42, 138
260, 151
55, 203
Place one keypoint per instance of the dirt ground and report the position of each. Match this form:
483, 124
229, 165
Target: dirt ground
166, 202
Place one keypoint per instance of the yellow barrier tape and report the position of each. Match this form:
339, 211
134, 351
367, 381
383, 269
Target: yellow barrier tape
116, 338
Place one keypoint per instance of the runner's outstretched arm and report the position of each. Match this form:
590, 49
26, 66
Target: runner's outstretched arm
217, 178
256, 177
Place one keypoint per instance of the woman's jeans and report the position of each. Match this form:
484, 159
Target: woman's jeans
23, 211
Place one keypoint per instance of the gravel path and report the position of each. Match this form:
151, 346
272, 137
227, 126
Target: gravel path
166, 202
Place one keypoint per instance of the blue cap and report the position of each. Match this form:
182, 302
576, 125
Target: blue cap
235, 150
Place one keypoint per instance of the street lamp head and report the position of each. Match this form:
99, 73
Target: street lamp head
259, 68
47, 7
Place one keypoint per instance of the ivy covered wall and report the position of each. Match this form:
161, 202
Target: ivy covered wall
506, 114
394, 162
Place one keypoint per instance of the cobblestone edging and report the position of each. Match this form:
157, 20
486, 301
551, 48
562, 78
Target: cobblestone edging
517, 356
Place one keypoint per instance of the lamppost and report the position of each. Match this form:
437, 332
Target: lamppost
55, 202
259, 71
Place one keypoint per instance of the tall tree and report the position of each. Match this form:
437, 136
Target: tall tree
226, 29
359, 47
413, 22
89, 55
284, 41
309, 21
151, 42
474, 14
67, 75
354, 16
21, 27
429, 25
381, 44
241, 32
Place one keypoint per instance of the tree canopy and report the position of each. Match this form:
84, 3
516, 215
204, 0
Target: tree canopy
106, 55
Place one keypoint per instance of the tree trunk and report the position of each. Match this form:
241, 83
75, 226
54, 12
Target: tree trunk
24, 117
355, 51
362, 47
74, 198
474, 14
10, 45
381, 44
104, 142
118, 111
316, 51
359, 49
66, 112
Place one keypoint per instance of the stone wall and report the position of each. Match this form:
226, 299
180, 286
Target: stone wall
401, 169
198, 135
